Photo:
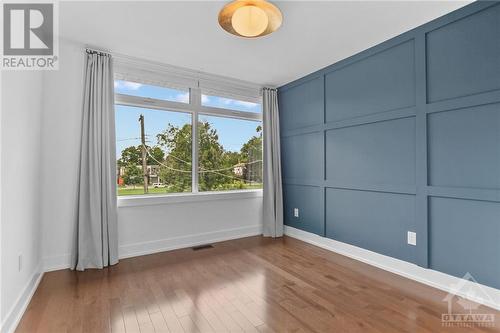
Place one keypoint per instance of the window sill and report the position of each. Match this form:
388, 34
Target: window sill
151, 200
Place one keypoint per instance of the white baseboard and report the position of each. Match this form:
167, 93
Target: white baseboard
15, 314
488, 296
143, 248
55, 263
139, 249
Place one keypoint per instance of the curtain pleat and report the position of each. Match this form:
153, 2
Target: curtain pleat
96, 244
273, 190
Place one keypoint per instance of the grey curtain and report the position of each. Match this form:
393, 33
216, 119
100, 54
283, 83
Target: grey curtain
273, 191
97, 236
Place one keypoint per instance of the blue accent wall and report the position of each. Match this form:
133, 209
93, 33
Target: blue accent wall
404, 136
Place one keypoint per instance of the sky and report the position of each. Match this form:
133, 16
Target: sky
233, 133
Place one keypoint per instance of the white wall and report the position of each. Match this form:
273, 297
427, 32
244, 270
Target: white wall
20, 189
61, 128
142, 229
1, 307
152, 228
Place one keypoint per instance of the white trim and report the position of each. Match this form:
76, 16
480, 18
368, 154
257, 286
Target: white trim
228, 113
1, 187
56, 263
174, 243
148, 200
195, 100
144, 248
411, 271
18, 309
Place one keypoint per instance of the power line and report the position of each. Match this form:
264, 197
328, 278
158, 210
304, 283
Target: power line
166, 166
178, 159
202, 169
216, 170
127, 139
232, 167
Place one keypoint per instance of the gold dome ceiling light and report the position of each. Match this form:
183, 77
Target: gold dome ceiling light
250, 18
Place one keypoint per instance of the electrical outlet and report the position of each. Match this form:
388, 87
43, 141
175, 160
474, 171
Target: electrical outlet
20, 262
296, 212
412, 238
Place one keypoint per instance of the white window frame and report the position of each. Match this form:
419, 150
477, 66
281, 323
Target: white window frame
195, 109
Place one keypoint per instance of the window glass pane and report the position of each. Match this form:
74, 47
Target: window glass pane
230, 154
150, 91
168, 151
231, 104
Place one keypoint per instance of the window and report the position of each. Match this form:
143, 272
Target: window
230, 154
163, 151
231, 104
173, 141
150, 91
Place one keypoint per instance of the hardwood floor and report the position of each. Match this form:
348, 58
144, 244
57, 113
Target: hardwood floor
248, 285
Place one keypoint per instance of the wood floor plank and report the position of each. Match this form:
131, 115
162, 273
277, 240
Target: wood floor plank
116, 316
130, 320
159, 324
171, 319
243, 322
200, 321
246, 310
252, 284
188, 324
223, 311
205, 311
147, 327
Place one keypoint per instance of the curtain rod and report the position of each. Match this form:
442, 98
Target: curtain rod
90, 49
200, 75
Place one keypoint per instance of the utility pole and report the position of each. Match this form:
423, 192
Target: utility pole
144, 155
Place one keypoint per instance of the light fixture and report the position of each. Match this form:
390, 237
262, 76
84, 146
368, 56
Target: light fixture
250, 18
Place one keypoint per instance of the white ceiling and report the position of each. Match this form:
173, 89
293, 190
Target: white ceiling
187, 34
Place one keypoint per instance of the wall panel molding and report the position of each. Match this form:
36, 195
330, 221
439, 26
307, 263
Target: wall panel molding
374, 220
363, 120
309, 95
464, 193
421, 201
464, 102
464, 147
384, 188
477, 253
381, 82
369, 154
452, 70
455, 68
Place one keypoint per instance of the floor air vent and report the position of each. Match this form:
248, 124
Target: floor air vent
202, 247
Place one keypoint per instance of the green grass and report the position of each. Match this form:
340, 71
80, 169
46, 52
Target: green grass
252, 187
138, 190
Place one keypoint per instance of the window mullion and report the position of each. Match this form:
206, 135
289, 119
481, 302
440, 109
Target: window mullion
195, 101
194, 170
